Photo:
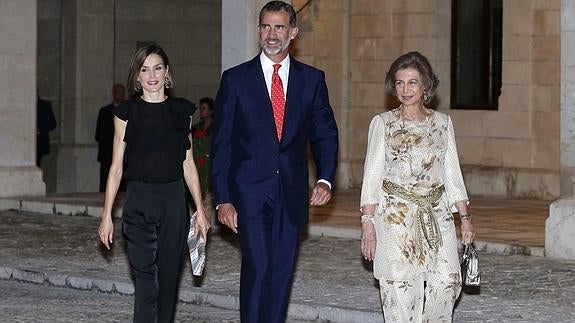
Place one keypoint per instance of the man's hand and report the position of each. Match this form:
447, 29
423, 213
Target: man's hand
228, 216
320, 195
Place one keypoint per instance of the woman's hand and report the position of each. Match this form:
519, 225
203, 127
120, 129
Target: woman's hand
467, 231
368, 240
106, 231
202, 223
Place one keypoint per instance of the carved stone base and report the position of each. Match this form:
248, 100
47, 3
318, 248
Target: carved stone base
560, 229
21, 181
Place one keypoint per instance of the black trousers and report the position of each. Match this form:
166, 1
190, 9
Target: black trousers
155, 223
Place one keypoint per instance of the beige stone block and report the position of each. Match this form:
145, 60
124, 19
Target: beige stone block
359, 120
547, 153
443, 6
389, 6
363, 49
491, 156
420, 6
516, 72
516, 47
470, 150
328, 6
330, 27
507, 152
425, 45
21, 180
369, 71
18, 82
511, 182
442, 25
547, 22
18, 19
367, 94
567, 9
499, 124
443, 48
420, 24
388, 49
18, 130
371, 25
467, 123
303, 44
546, 72
356, 170
517, 17
546, 98
361, 6
399, 23
568, 48
547, 4
442, 69
515, 98
546, 125
441, 101
326, 48
547, 48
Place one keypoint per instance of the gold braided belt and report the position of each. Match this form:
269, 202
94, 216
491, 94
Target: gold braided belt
425, 219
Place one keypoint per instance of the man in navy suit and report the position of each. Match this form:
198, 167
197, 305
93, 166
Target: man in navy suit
266, 115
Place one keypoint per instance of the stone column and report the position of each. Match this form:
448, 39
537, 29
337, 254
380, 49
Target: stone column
560, 226
239, 31
18, 172
87, 78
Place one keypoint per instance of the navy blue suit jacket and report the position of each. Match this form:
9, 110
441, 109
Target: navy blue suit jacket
248, 160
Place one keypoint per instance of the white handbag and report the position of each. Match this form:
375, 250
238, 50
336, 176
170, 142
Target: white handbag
197, 246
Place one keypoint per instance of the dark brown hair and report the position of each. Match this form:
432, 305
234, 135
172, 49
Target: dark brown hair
279, 6
209, 101
138, 60
419, 62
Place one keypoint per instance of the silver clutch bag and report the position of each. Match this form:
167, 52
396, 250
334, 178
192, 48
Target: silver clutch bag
197, 246
470, 267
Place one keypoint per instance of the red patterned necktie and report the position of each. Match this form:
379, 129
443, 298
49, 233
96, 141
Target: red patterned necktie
278, 100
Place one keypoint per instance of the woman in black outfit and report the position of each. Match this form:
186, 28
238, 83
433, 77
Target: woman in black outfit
152, 138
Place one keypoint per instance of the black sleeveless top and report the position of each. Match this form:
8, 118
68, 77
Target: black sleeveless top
156, 138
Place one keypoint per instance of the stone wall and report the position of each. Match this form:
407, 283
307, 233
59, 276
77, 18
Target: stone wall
18, 172
511, 152
85, 47
189, 32
48, 78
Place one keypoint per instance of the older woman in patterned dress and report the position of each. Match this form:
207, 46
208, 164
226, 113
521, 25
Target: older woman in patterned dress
412, 184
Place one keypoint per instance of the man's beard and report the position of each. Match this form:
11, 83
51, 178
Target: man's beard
274, 49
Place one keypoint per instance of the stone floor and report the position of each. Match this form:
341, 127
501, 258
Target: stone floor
507, 222
332, 283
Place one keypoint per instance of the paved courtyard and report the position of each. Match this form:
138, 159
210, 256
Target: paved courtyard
332, 282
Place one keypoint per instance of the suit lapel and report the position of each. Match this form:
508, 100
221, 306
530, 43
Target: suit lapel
258, 88
296, 83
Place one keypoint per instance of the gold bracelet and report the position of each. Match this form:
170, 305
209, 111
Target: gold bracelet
367, 218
